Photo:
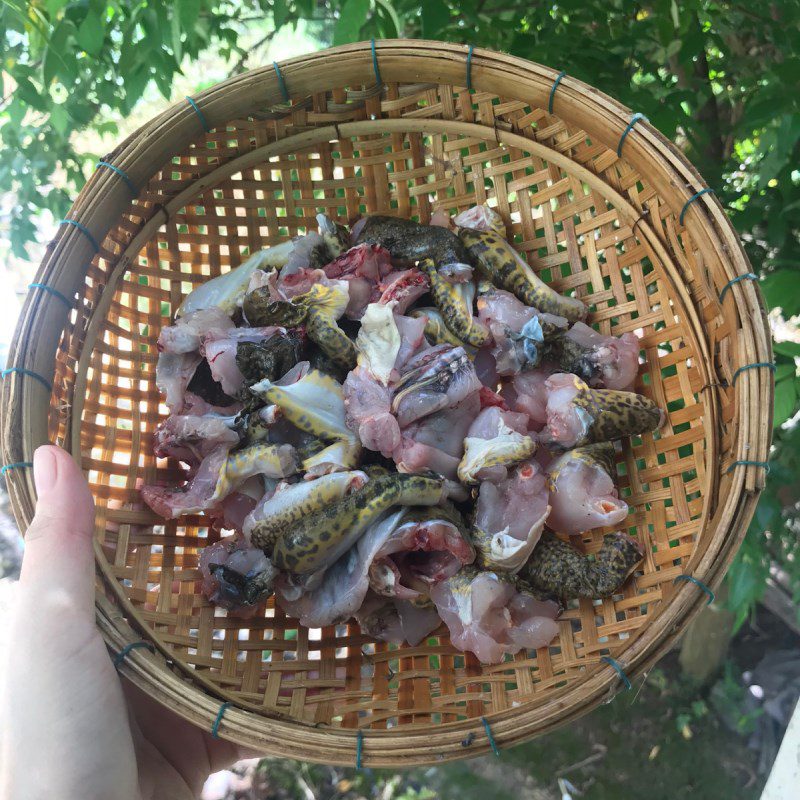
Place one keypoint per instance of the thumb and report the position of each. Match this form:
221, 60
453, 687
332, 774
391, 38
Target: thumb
59, 560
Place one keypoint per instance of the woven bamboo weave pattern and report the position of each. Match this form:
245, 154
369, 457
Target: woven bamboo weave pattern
603, 226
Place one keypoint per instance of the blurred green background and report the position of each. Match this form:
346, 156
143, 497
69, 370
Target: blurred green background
719, 78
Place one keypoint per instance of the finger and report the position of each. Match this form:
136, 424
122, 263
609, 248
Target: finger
59, 560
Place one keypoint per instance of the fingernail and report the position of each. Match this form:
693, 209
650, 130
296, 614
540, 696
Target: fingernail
44, 470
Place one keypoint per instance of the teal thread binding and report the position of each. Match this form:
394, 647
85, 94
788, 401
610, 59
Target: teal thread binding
469, 67
634, 119
619, 671
707, 190
490, 737
375, 66
746, 463
83, 229
281, 81
359, 747
748, 276
561, 75
200, 115
765, 364
47, 385
50, 290
220, 714
131, 185
120, 657
692, 579
15, 465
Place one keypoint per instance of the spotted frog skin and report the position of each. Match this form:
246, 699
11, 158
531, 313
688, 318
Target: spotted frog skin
454, 302
499, 262
615, 414
600, 454
319, 539
268, 359
410, 241
303, 500
247, 590
332, 340
317, 308
435, 329
261, 310
557, 569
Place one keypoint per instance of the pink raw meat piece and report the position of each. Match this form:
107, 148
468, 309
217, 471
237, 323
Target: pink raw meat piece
404, 287
236, 576
582, 494
419, 553
363, 267
219, 348
367, 405
174, 371
186, 333
396, 621
436, 442
488, 616
179, 352
510, 516
412, 339
566, 424
612, 360
364, 260
433, 380
190, 438
441, 219
196, 496
197, 407
527, 392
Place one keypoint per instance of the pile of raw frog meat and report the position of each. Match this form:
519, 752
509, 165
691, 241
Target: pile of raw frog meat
403, 425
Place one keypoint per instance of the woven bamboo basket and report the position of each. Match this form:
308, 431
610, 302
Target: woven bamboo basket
599, 202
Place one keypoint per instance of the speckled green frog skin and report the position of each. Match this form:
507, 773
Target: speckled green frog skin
261, 310
268, 359
410, 241
436, 332
332, 340
615, 414
319, 539
311, 309
455, 306
557, 569
501, 264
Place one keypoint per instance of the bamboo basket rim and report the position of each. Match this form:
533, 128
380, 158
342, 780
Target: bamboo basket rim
104, 201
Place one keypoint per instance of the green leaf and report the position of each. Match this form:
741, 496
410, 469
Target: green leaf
782, 290
392, 14
785, 400
54, 6
791, 349
784, 371
58, 62
30, 94
434, 16
188, 12
91, 34
673, 10
59, 119
351, 18
135, 84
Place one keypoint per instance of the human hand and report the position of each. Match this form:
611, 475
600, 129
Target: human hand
73, 727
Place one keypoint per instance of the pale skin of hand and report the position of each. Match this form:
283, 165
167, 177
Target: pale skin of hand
72, 728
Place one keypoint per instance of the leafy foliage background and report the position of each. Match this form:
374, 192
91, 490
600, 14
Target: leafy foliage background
720, 78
